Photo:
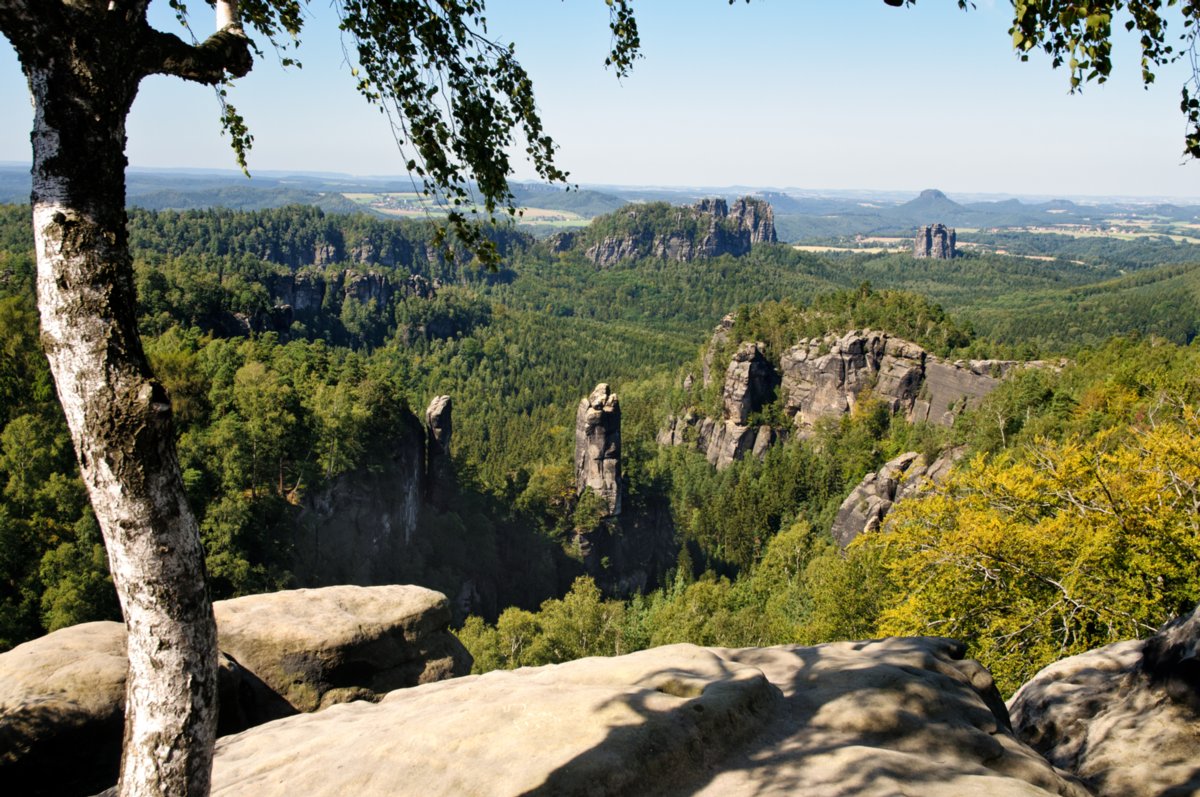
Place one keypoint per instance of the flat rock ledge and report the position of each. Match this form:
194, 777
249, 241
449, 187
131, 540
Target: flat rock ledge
896, 716
62, 696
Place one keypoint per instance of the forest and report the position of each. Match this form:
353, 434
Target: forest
297, 346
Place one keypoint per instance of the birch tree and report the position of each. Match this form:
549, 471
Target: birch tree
455, 98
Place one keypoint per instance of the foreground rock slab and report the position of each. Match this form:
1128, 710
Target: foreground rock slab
62, 696
871, 718
1124, 718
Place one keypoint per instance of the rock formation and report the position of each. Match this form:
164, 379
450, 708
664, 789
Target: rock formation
439, 471
62, 696
897, 716
935, 241
720, 337
823, 377
710, 228
598, 447
1124, 718
358, 527
750, 382
870, 501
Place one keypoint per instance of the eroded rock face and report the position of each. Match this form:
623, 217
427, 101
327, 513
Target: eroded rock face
718, 230
719, 338
1124, 717
868, 504
749, 383
936, 241
899, 716
824, 377
598, 447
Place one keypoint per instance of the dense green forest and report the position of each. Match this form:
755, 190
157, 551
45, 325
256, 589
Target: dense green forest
295, 345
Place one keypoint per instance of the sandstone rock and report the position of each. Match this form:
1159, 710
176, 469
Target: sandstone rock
749, 382
439, 472
757, 216
1123, 717
719, 338
870, 501
62, 698
719, 230
598, 447
935, 241
727, 442
358, 529
900, 716
824, 377
318, 647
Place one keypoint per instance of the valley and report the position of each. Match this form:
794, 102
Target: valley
667, 426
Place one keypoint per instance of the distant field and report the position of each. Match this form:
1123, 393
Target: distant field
415, 205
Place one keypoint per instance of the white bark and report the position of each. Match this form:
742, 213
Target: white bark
120, 424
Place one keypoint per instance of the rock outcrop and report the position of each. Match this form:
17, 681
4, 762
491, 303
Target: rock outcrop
710, 228
1124, 718
823, 377
935, 241
598, 447
870, 501
62, 696
357, 528
750, 383
439, 471
898, 716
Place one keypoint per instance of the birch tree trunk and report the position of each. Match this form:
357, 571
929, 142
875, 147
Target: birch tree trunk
84, 60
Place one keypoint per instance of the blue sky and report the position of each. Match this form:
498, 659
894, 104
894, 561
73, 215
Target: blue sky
806, 94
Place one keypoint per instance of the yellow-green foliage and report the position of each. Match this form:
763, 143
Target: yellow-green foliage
1051, 550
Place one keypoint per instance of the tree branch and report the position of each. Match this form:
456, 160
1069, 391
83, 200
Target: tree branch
18, 23
224, 54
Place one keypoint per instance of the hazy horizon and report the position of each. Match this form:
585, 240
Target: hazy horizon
815, 97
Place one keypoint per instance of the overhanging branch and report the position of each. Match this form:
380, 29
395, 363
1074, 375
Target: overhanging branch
224, 54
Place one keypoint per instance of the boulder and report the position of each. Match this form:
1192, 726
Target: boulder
1124, 718
62, 696
318, 647
898, 716
62, 699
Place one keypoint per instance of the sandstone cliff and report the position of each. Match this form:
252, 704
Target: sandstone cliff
710, 228
750, 383
823, 377
359, 527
